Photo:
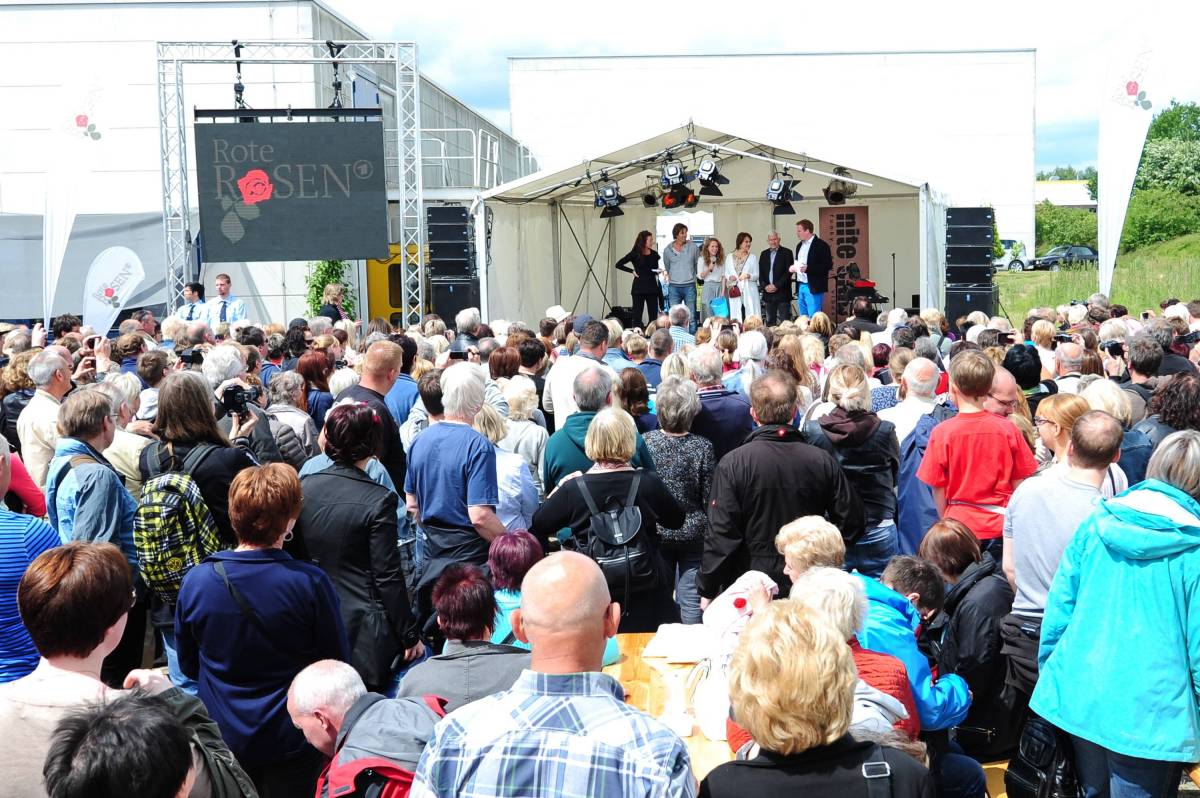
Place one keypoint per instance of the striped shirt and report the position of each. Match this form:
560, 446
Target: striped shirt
22, 539
560, 735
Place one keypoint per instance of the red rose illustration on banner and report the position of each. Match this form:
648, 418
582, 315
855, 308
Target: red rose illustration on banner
108, 292
81, 120
1131, 88
255, 187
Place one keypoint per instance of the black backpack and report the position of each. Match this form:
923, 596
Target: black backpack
615, 542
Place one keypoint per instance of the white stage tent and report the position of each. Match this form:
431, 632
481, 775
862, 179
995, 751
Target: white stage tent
537, 237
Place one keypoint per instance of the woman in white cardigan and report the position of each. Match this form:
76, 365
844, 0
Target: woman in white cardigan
742, 267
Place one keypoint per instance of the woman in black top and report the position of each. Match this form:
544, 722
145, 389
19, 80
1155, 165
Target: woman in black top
347, 527
610, 443
642, 263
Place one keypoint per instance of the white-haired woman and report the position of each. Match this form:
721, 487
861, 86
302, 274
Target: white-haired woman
791, 686
289, 406
685, 462
525, 436
610, 444
869, 454
751, 352
518, 493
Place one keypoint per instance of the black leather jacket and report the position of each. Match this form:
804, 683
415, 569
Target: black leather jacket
10, 409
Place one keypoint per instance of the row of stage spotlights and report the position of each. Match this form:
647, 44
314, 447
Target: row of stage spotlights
673, 191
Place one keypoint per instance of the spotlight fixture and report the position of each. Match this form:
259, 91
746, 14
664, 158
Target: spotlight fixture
672, 175
680, 197
781, 195
838, 191
710, 178
609, 198
649, 199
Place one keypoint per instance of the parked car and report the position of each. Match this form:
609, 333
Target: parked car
1062, 256
1013, 259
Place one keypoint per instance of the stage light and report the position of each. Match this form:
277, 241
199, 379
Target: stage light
680, 197
838, 191
672, 175
649, 199
609, 198
710, 178
781, 195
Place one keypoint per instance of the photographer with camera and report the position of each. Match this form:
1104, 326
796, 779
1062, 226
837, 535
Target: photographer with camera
225, 369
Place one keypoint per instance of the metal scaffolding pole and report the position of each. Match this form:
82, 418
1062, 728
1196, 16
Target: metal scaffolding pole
172, 123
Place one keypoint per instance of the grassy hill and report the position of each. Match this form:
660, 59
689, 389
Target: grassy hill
1143, 278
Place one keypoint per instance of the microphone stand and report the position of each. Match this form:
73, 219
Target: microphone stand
895, 293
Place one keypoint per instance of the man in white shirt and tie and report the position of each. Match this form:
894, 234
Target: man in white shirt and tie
193, 308
225, 307
814, 262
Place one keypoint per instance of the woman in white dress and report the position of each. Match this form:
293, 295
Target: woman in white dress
710, 266
742, 267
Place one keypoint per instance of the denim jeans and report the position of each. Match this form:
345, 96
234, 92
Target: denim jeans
684, 567
684, 295
956, 775
184, 683
808, 303
870, 555
1107, 774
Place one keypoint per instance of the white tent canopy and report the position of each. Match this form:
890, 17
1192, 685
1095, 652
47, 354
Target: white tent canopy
540, 234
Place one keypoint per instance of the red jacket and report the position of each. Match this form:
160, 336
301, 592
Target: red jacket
884, 672
888, 675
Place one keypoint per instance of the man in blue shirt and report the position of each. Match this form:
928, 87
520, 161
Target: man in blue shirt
451, 481
193, 308
224, 307
403, 394
661, 346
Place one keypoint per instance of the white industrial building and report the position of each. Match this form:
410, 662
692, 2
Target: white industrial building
101, 55
960, 122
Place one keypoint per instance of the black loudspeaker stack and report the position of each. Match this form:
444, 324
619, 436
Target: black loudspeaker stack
968, 268
453, 281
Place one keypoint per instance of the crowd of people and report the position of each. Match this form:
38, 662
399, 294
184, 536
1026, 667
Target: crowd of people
328, 558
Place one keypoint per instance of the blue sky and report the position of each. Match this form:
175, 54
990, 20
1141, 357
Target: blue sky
465, 44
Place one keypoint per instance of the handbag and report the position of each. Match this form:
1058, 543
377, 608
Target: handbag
720, 305
1044, 764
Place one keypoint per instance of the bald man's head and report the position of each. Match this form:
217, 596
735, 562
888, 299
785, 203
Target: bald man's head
563, 591
1002, 399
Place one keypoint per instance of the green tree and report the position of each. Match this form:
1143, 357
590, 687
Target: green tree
1171, 164
1178, 121
1157, 214
321, 274
1056, 226
997, 247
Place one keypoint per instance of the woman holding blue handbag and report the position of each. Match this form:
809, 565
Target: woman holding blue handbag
711, 268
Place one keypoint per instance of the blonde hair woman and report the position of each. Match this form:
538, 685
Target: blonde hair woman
332, 299
525, 436
518, 494
866, 447
1056, 417
791, 685
1042, 333
611, 482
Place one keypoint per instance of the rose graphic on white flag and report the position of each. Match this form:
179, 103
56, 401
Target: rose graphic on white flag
111, 280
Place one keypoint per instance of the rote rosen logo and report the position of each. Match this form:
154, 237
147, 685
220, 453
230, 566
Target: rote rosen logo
255, 187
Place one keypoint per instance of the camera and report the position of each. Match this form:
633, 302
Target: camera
235, 398
1114, 349
192, 357
1005, 338
1062, 337
1078, 301
339, 364
1191, 339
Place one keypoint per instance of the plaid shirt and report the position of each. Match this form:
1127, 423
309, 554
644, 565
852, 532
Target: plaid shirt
566, 736
681, 337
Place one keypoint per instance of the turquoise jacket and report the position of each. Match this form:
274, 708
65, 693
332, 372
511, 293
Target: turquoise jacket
1120, 649
891, 628
89, 502
509, 600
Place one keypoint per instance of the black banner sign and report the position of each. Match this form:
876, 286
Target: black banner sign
291, 191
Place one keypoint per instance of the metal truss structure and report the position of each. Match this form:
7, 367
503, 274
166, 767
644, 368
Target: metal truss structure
401, 57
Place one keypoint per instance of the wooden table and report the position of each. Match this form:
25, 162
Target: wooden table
648, 682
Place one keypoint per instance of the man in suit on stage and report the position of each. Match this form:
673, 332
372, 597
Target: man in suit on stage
775, 277
814, 262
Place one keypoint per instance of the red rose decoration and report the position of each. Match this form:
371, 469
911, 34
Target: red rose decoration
108, 292
81, 120
255, 187
1131, 88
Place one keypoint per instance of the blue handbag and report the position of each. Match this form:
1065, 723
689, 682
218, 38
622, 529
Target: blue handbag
720, 307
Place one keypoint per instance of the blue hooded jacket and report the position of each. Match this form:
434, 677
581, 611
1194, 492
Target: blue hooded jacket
1120, 648
89, 502
891, 628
